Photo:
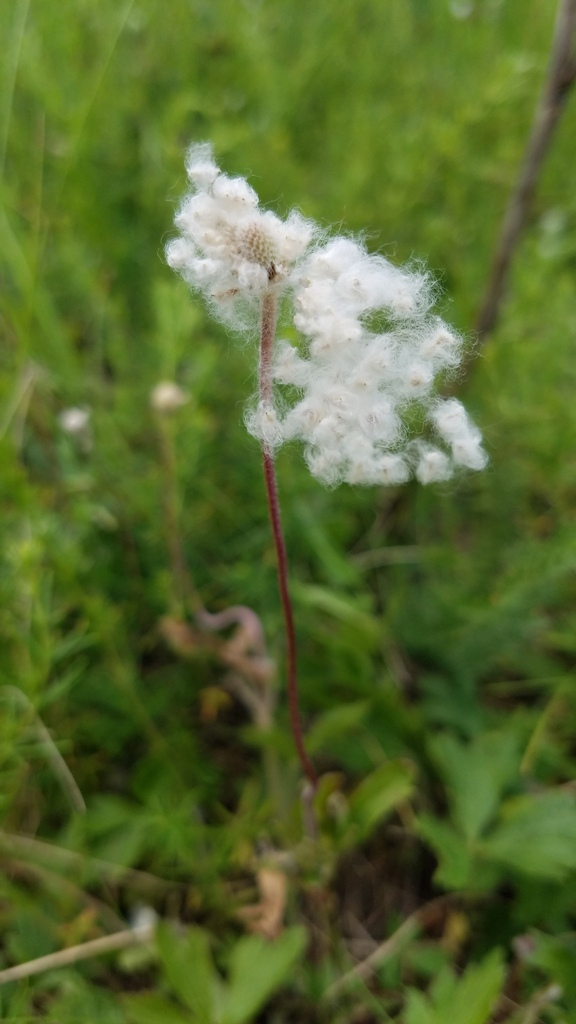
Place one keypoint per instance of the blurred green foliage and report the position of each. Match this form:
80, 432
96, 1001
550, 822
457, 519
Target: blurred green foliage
436, 626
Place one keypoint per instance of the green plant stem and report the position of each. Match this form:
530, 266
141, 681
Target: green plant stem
186, 593
258, 698
266, 350
51, 752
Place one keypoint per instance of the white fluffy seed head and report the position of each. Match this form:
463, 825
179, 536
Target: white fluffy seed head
263, 423
325, 464
433, 465
357, 383
233, 194
200, 166
369, 348
379, 421
255, 244
441, 348
392, 469
419, 378
229, 248
468, 452
451, 420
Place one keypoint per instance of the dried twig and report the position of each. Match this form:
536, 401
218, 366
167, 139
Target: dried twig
559, 79
407, 931
84, 951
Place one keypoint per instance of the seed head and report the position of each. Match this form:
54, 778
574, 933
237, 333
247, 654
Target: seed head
369, 351
229, 248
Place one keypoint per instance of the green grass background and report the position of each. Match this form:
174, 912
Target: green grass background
437, 627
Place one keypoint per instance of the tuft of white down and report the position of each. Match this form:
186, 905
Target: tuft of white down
356, 382
370, 352
229, 248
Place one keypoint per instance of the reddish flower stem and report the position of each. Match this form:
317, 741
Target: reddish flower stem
266, 352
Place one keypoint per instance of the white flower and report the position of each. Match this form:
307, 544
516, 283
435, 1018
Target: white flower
73, 420
76, 423
462, 9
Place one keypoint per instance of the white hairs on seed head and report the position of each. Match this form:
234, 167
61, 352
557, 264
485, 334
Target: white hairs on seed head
346, 389
229, 248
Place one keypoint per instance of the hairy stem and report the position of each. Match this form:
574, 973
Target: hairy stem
266, 352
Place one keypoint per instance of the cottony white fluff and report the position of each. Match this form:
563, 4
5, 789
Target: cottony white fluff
229, 248
370, 347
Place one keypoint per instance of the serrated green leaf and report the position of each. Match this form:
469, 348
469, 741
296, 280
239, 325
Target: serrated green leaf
454, 860
257, 969
476, 774
467, 1000
149, 1008
189, 969
379, 793
475, 994
538, 836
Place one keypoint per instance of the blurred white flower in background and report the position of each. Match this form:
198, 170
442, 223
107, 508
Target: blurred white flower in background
76, 423
462, 9
166, 397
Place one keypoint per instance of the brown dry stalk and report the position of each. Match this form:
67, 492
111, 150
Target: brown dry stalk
387, 949
559, 79
96, 947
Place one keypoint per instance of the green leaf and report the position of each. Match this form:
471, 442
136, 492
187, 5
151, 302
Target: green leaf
538, 836
556, 955
418, 1009
477, 991
427, 958
379, 793
454, 861
334, 723
342, 608
476, 775
119, 828
338, 568
189, 969
468, 1000
257, 969
149, 1008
